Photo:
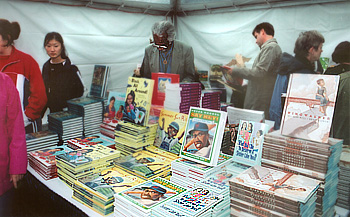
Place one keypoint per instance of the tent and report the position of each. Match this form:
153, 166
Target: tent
115, 32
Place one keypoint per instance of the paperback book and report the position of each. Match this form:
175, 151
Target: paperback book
160, 81
113, 111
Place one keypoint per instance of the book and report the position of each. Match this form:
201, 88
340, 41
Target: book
170, 130
114, 108
138, 100
203, 135
99, 81
249, 143
160, 81
309, 106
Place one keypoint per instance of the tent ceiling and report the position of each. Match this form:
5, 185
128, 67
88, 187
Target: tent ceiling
184, 7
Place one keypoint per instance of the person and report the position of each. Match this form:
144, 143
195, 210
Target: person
168, 138
25, 73
307, 49
119, 114
341, 118
13, 148
62, 79
200, 139
168, 55
321, 94
110, 109
148, 196
129, 107
261, 77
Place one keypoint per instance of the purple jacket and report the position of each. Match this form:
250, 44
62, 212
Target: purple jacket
13, 149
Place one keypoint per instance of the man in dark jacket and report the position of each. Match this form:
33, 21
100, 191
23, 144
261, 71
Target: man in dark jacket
308, 49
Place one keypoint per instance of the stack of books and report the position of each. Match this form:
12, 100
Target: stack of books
141, 199
314, 159
273, 192
91, 140
66, 124
344, 180
181, 96
91, 110
43, 161
86, 161
187, 173
211, 99
108, 126
97, 191
41, 139
195, 202
130, 138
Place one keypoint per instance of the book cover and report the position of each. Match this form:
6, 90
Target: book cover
151, 193
113, 111
160, 81
47, 157
83, 101
138, 100
63, 116
249, 143
99, 81
170, 130
203, 135
309, 106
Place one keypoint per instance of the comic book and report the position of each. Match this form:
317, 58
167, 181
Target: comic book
249, 143
138, 100
203, 135
170, 130
309, 106
160, 81
99, 81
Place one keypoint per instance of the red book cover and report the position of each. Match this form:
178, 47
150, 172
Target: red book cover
160, 80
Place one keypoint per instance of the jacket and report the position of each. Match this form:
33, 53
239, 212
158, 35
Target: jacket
288, 65
261, 77
23, 64
13, 149
62, 82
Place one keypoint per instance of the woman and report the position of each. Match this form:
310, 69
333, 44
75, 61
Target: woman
62, 79
25, 73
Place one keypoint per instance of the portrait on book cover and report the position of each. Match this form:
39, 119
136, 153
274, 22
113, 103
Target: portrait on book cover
132, 112
113, 111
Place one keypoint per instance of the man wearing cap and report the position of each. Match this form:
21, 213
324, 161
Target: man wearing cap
148, 196
168, 138
200, 140
341, 118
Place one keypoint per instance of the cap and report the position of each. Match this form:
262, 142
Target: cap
174, 125
199, 126
156, 188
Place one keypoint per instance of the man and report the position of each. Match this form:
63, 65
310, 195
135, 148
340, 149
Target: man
200, 140
149, 195
262, 75
308, 49
167, 55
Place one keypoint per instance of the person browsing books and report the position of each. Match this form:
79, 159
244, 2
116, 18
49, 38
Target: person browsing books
261, 77
62, 78
167, 55
307, 49
13, 148
25, 73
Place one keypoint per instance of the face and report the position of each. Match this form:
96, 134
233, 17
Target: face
3, 47
53, 49
249, 126
172, 131
315, 54
321, 83
161, 40
111, 104
200, 139
259, 37
129, 99
150, 194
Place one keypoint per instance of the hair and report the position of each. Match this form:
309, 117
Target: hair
261, 132
307, 40
112, 98
131, 93
341, 53
162, 27
9, 31
267, 27
56, 36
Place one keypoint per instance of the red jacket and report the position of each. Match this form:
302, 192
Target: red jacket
22, 63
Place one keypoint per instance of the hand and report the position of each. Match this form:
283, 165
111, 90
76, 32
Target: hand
137, 72
15, 178
227, 69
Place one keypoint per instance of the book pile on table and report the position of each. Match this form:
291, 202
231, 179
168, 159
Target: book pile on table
87, 141
91, 110
211, 99
97, 191
195, 202
108, 126
66, 124
86, 161
273, 192
344, 180
130, 138
179, 97
147, 164
187, 173
219, 183
141, 199
43, 161
313, 159
41, 139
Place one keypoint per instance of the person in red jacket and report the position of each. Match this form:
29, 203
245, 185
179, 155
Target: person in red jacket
25, 73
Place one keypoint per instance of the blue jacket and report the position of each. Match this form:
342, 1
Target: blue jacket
288, 65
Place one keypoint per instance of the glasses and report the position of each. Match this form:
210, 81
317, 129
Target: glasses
198, 134
159, 46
